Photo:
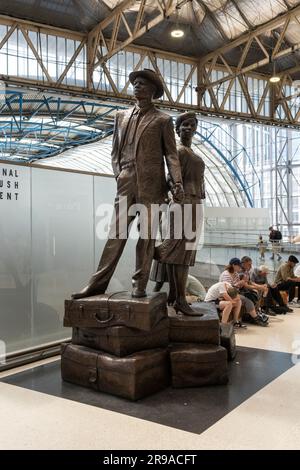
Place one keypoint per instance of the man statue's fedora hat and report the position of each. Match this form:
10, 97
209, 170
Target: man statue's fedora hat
152, 77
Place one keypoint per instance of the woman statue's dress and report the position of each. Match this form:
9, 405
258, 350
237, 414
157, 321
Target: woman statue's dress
183, 250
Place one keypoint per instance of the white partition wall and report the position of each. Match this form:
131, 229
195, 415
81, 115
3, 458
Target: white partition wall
62, 246
16, 323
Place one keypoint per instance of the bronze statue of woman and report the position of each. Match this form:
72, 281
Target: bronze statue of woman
179, 253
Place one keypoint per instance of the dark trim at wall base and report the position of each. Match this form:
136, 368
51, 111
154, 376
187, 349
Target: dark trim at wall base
26, 356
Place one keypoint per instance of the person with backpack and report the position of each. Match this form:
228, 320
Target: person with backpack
275, 236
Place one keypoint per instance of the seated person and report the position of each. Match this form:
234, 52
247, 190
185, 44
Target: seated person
285, 278
273, 297
246, 270
231, 275
194, 290
251, 290
227, 300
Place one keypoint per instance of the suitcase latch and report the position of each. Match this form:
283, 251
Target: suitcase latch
93, 376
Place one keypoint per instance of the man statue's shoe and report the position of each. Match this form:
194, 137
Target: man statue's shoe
86, 292
137, 293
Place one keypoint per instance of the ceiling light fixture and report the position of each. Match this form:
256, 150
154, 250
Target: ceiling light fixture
275, 77
177, 32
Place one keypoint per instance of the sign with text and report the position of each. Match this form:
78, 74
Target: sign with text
9, 183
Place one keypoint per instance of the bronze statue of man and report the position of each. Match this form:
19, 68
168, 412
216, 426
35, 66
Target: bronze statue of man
143, 138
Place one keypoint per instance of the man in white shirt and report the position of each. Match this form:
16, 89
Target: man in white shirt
227, 299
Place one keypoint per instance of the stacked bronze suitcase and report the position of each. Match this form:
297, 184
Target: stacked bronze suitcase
119, 344
197, 358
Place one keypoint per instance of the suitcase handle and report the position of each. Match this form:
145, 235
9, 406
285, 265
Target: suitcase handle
104, 321
112, 315
107, 320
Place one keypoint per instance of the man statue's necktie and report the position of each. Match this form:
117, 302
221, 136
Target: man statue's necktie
133, 127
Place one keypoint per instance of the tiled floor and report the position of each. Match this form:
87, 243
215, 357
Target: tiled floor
259, 409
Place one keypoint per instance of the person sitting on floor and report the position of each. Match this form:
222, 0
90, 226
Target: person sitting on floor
227, 300
273, 298
194, 290
286, 280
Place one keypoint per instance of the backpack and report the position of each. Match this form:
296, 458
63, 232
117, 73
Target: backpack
250, 294
277, 235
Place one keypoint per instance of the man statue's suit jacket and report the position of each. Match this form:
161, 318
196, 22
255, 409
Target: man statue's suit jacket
154, 140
